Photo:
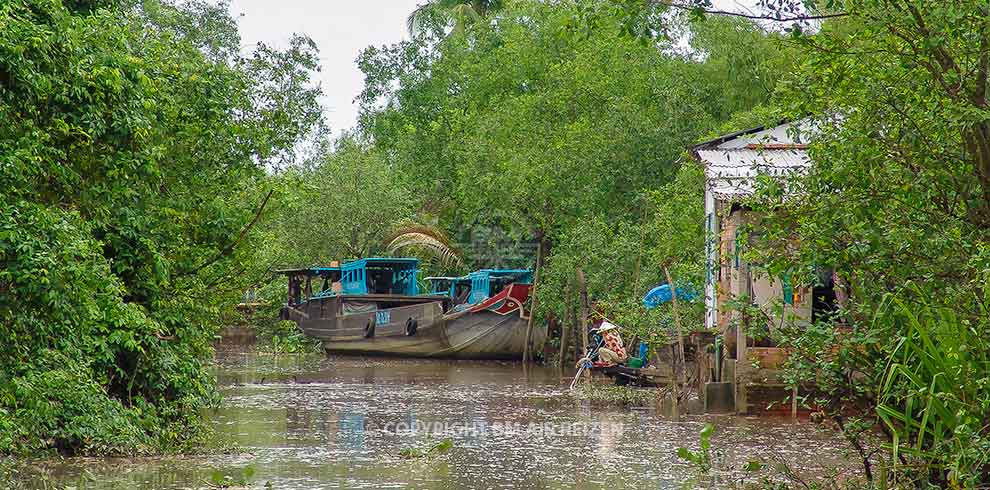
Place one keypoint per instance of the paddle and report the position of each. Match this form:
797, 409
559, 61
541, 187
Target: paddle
585, 362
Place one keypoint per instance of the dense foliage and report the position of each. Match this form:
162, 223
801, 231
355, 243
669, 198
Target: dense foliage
559, 121
342, 203
897, 202
133, 138
553, 123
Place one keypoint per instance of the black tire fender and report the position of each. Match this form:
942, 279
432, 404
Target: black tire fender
412, 325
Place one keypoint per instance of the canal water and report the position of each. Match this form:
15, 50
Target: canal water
303, 423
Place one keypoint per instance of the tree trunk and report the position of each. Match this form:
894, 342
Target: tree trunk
565, 325
583, 291
675, 392
575, 317
677, 324
527, 354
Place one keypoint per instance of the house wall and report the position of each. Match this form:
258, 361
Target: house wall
732, 163
768, 294
711, 261
728, 280
736, 278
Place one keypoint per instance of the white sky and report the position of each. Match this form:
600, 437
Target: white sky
341, 29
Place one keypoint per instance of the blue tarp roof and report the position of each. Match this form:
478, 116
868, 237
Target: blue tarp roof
661, 294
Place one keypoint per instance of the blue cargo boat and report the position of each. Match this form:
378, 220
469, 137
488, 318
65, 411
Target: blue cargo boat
374, 306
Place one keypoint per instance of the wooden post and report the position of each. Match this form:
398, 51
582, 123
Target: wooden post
565, 325
552, 323
583, 291
675, 394
794, 402
577, 347
701, 365
532, 309
677, 324
742, 375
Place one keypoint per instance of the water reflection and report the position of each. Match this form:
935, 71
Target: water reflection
341, 423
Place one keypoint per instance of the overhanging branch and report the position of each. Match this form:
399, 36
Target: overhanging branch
230, 248
766, 17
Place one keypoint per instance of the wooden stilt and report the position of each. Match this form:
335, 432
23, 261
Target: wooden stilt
675, 394
527, 354
578, 349
583, 292
565, 325
794, 402
679, 359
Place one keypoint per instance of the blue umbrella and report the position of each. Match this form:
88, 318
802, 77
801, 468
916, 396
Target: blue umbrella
661, 294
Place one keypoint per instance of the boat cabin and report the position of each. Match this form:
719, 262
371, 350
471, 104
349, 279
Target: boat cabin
479, 285
380, 275
303, 280
368, 276
331, 301
489, 282
455, 288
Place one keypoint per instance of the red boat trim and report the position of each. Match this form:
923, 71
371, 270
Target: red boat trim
509, 300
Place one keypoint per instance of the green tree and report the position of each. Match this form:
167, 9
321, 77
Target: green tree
343, 204
132, 142
897, 202
556, 120
450, 13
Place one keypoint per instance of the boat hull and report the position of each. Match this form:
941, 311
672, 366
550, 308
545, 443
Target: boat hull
495, 329
482, 335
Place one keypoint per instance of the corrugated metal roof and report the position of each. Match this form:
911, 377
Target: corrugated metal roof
732, 163
786, 132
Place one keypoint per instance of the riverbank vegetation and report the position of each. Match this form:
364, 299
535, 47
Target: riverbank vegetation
151, 174
610, 395
135, 139
565, 124
897, 203
559, 128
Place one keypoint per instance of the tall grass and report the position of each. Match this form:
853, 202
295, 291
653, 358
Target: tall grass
934, 397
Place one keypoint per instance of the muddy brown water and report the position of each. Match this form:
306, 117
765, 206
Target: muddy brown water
304, 423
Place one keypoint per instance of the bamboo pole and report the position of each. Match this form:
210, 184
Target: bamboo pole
677, 317
576, 347
794, 402
675, 393
583, 291
676, 373
565, 325
532, 309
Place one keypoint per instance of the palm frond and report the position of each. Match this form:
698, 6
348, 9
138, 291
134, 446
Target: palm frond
427, 239
417, 18
463, 15
457, 12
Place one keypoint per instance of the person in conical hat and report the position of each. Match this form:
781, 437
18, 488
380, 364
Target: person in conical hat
612, 351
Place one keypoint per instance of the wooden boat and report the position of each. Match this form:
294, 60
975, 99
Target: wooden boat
373, 306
